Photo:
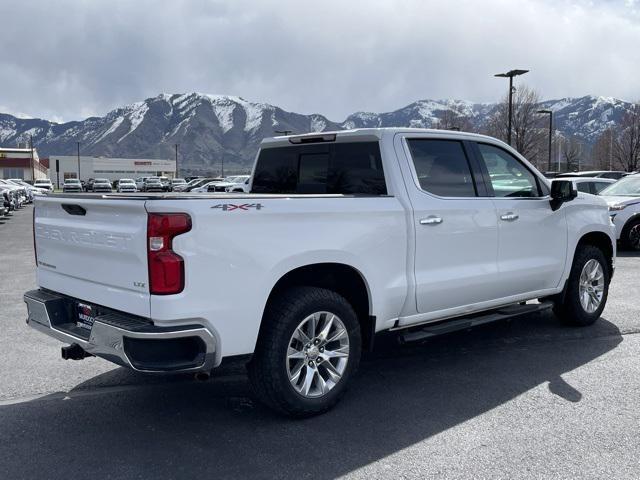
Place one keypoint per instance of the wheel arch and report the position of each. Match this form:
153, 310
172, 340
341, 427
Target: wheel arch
341, 278
602, 241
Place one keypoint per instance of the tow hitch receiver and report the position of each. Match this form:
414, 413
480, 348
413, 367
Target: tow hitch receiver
74, 352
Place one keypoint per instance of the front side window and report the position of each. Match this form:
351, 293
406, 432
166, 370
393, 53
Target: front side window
442, 167
339, 168
508, 176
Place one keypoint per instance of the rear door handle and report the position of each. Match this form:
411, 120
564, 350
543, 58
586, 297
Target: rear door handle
431, 220
509, 217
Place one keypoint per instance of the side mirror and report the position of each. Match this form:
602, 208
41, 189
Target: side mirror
562, 191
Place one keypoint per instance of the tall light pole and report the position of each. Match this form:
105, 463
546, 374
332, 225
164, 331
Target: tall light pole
33, 168
177, 145
550, 113
78, 144
510, 74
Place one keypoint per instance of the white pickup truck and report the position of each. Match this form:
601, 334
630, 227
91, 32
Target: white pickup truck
343, 235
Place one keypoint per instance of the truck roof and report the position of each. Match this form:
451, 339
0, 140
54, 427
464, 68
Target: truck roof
367, 133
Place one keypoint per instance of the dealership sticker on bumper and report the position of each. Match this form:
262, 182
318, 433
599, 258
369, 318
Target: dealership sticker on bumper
86, 316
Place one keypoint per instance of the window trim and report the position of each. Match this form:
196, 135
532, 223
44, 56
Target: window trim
477, 181
543, 193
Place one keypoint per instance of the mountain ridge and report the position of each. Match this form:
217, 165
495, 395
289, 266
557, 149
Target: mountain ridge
211, 128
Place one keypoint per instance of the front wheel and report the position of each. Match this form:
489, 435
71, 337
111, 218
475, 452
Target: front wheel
631, 235
587, 288
308, 350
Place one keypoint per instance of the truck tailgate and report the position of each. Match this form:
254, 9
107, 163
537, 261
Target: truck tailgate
94, 249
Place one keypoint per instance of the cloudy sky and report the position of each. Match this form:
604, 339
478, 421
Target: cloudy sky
66, 60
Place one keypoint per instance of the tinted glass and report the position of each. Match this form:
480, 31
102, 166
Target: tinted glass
509, 177
442, 167
340, 168
599, 186
584, 187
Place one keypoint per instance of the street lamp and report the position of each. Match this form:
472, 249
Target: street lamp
78, 144
550, 113
177, 145
510, 74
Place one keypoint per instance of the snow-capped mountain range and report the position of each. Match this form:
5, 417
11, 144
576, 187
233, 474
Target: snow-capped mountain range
209, 128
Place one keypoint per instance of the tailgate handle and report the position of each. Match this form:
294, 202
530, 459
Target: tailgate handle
73, 209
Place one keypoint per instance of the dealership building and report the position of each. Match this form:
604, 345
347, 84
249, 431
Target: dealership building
86, 167
21, 163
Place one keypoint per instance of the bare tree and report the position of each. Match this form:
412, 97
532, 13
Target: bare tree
626, 147
572, 150
454, 119
526, 132
602, 151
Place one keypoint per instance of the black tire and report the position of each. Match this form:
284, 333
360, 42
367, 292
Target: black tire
268, 367
568, 307
631, 235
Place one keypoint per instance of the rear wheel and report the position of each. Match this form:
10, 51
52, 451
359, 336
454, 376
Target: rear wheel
587, 288
631, 235
309, 348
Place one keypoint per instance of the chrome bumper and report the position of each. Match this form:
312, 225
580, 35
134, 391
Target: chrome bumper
112, 334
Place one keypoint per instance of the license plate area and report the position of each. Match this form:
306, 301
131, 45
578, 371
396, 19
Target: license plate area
86, 316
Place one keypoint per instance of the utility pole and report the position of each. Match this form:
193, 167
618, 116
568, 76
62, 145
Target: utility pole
510, 74
177, 145
222, 166
550, 113
610, 149
33, 168
78, 144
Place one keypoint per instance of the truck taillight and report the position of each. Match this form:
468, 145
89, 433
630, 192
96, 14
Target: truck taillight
166, 268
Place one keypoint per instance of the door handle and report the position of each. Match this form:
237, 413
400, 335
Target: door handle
431, 220
509, 217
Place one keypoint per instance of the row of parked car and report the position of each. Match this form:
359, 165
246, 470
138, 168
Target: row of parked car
237, 183
621, 191
15, 194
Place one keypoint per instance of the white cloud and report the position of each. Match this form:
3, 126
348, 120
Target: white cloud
331, 57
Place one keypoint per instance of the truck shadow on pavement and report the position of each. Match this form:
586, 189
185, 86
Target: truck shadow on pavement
178, 428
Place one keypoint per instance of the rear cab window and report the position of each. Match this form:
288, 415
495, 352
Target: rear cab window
442, 167
353, 168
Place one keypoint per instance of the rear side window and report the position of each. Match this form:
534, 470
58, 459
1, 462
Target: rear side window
442, 167
340, 168
584, 187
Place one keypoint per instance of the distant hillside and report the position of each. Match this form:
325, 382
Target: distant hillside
214, 127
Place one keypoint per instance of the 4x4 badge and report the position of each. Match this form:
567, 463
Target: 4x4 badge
228, 207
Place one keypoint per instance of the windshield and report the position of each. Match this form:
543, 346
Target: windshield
42, 182
629, 186
178, 180
126, 180
72, 180
101, 180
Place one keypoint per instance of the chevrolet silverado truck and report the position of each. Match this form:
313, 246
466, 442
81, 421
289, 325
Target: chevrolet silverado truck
343, 235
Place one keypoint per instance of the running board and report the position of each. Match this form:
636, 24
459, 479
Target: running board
414, 334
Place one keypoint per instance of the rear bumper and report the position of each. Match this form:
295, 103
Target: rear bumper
124, 339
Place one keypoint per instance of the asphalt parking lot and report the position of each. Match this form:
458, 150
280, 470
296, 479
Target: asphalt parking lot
527, 398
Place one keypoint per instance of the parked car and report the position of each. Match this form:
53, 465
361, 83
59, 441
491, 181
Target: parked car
153, 184
31, 191
203, 185
13, 196
241, 184
224, 185
140, 183
5, 203
190, 183
71, 185
592, 185
177, 184
102, 185
623, 198
19, 193
166, 183
126, 185
44, 183
616, 175
384, 229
